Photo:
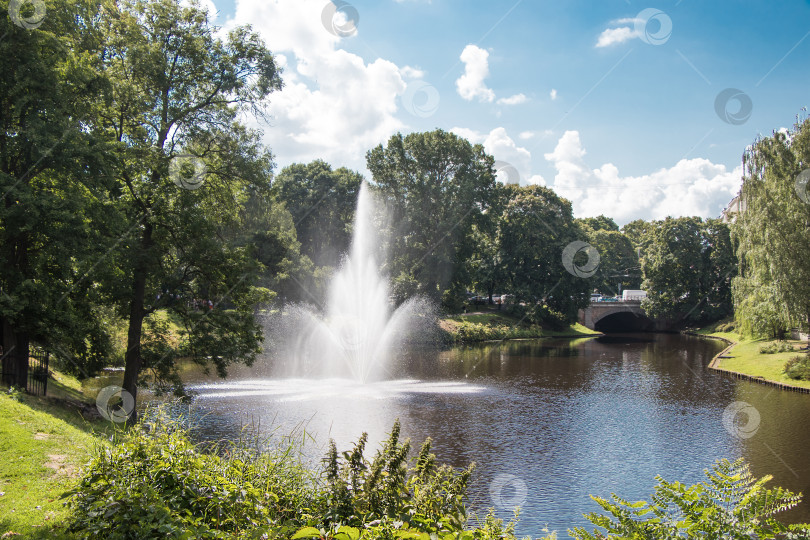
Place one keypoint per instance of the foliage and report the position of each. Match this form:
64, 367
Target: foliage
730, 504
798, 368
321, 202
424, 496
438, 187
618, 261
154, 483
776, 347
52, 179
770, 232
175, 93
534, 229
688, 266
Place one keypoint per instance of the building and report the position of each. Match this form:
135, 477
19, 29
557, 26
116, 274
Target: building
733, 209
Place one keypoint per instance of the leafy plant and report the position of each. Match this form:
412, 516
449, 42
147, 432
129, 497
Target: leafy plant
798, 368
425, 497
730, 504
154, 483
776, 347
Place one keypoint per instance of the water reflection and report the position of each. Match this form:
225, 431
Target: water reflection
567, 418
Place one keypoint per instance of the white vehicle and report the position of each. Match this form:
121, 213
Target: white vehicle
630, 295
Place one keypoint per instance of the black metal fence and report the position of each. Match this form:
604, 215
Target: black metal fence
38, 365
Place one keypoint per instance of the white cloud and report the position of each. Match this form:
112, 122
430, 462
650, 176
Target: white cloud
692, 187
613, 36
553, 94
526, 135
502, 147
333, 105
476, 69
517, 99
412, 73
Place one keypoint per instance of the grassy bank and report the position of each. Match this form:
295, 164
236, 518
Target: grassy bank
495, 325
44, 443
745, 356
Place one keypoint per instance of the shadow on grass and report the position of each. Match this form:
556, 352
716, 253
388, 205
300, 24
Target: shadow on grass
48, 532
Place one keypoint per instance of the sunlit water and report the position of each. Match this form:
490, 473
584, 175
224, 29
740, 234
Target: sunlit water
548, 422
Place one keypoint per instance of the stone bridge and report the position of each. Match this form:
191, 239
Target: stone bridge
618, 316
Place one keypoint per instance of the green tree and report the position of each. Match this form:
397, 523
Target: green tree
618, 263
688, 267
322, 203
772, 291
439, 186
535, 228
636, 232
52, 180
185, 168
599, 223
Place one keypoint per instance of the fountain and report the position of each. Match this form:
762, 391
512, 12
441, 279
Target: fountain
356, 335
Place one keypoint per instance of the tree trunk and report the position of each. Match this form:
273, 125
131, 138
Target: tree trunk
132, 358
15, 356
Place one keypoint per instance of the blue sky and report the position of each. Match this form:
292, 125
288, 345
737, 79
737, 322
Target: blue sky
611, 103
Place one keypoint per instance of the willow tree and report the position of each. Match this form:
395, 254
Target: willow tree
185, 168
772, 292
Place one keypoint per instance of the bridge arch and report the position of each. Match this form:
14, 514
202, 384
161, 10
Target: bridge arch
617, 317
624, 321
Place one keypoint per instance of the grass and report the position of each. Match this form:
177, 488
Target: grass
44, 442
495, 325
745, 357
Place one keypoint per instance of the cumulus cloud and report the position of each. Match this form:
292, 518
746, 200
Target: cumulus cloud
503, 148
692, 187
517, 99
476, 69
333, 105
553, 94
412, 73
613, 36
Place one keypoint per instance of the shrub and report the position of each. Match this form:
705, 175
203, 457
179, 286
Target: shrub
155, 484
730, 504
726, 327
776, 347
798, 368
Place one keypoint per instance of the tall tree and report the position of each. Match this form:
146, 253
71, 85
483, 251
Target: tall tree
321, 202
772, 292
186, 168
52, 179
536, 227
438, 186
618, 262
688, 267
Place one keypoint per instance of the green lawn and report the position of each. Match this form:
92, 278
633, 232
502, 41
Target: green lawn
494, 325
745, 357
43, 446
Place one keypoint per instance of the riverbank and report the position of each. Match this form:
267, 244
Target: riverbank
497, 326
44, 443
742, 359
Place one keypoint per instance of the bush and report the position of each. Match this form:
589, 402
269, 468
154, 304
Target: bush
798, 368
726, 327
156, 484
730, 504
776, 347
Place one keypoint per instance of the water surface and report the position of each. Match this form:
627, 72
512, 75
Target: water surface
548, 422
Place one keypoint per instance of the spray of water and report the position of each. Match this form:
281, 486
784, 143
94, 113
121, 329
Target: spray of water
358, 332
